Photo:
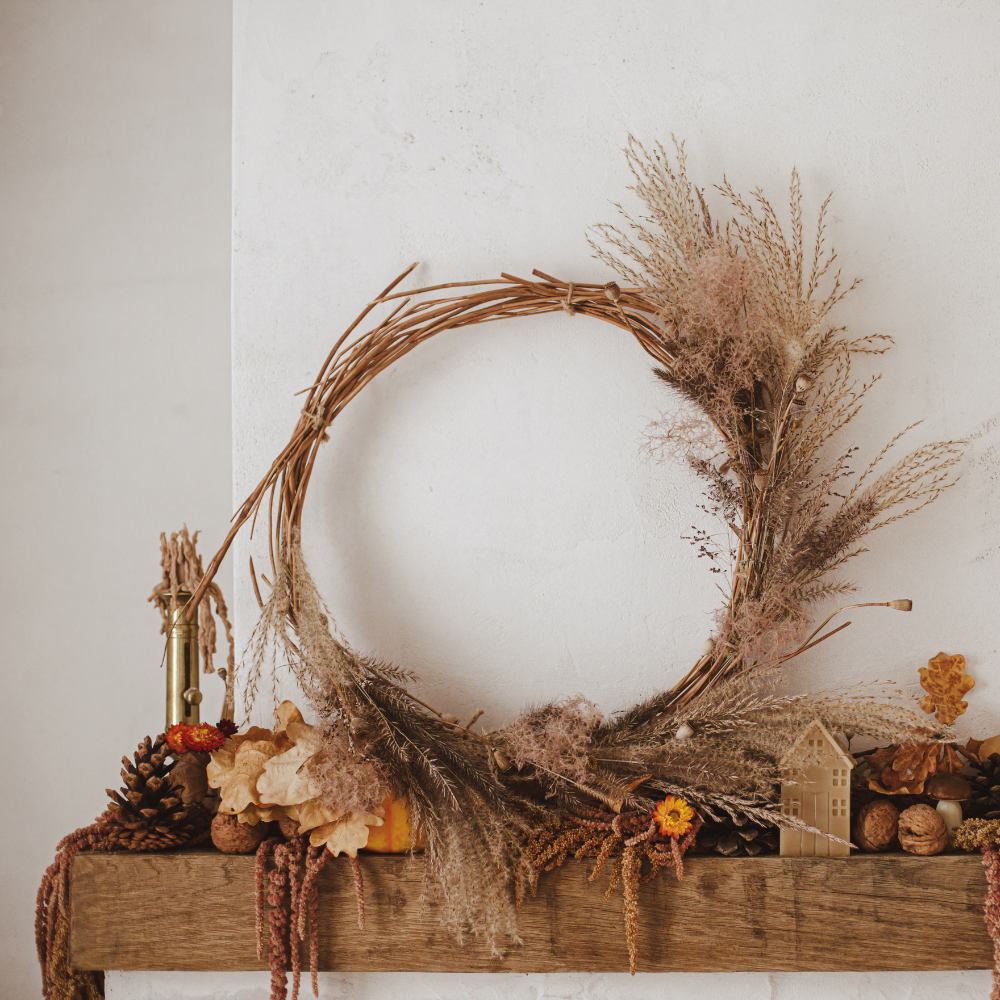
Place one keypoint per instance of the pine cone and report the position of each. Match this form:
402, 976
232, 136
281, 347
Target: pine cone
985, 780
736, 838
150, 815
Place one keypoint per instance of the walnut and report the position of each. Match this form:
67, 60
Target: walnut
233, 837
876, 826
922, 830
289, 828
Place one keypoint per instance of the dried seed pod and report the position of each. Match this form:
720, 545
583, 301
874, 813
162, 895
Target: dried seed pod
612, 291
922, 830
876, 826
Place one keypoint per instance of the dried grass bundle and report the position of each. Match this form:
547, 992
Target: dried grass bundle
183, 572
773, 384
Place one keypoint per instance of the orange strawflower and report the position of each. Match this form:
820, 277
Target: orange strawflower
202, 737
674, 816
175, 737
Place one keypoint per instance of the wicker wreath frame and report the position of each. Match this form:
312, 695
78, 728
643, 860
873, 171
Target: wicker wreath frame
415, 317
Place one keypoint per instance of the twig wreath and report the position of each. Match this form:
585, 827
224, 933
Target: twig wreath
736, 322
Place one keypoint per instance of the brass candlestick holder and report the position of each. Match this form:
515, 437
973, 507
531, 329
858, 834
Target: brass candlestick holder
183, 673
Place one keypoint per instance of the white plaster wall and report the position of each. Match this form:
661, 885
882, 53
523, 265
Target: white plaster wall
482, 513
114, 367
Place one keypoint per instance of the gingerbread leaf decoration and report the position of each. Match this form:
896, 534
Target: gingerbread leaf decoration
945, 681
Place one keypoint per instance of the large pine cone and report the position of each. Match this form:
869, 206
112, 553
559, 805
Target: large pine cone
150, 815
735, 838
985, 780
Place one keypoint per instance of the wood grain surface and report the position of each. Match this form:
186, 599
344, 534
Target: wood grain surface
194, 910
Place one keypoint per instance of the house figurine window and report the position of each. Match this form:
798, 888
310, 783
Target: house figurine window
816, 788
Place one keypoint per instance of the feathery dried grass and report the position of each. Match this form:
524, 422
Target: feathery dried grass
746, 323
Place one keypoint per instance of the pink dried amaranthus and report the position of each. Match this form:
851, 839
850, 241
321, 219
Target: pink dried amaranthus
291, 889
59, 981
991, 910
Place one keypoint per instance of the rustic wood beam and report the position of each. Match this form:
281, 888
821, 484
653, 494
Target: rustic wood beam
194, 910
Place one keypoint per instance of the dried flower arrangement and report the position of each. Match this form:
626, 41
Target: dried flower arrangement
736, 319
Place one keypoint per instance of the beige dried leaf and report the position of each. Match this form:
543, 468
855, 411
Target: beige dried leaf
236, 774
311, 814
347, 834
253, 815
287, 713
286, 780
253, 734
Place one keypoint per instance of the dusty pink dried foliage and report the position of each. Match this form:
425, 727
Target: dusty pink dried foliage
553, 738
347, 778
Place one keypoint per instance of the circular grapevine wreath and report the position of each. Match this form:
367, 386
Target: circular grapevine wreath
735, 321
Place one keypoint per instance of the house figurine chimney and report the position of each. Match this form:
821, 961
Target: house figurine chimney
816, 788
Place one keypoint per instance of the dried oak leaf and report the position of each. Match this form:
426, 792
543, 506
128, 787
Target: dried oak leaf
347, 834
253, 815
945, 681
287, 713
286, 779
902, 770
311, 814
971, 749
253, 734
236, 774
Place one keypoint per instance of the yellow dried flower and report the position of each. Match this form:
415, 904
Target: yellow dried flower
674, 816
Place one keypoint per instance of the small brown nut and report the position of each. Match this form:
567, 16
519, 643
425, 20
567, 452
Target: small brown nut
289, 828
876, 826
232, 837
922, 830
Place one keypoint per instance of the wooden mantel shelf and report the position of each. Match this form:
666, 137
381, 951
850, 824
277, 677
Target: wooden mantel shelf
194, 910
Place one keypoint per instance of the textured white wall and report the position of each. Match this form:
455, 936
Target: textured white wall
482, 513
114, 368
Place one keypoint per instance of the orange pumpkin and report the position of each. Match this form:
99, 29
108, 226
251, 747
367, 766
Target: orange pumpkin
393, 836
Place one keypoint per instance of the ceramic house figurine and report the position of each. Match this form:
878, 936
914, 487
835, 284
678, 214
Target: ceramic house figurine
816, 787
